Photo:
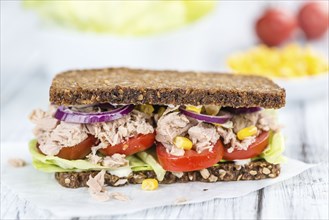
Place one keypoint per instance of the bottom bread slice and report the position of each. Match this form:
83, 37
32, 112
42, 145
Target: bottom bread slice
227, 171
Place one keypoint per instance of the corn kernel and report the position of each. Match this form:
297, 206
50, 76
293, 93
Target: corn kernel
290, 61
183, 143
247, 132
150, 184
147, 109
192, 108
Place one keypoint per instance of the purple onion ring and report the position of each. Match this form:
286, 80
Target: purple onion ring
242, 110
67, 115
206, 118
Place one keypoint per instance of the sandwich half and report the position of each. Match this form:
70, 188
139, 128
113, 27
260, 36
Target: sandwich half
135, 124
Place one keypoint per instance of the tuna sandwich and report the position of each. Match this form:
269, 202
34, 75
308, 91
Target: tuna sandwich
126, 126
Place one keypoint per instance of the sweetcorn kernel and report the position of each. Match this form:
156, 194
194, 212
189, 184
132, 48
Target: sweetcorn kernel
192, 108
247, 132
150, 184
183, 143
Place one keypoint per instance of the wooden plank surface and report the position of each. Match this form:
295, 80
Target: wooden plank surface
303, 197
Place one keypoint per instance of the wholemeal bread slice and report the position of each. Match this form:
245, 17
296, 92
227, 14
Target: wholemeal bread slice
227, 171
137, 86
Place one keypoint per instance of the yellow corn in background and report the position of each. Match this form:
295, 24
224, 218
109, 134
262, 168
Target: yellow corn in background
290, 61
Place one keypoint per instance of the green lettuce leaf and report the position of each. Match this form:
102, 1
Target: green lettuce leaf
55, 164
49, 168
273, 153
66, 165
150, 158
138, 165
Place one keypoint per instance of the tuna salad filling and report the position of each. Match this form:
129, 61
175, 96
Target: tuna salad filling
149, 137
204, 135
56, 138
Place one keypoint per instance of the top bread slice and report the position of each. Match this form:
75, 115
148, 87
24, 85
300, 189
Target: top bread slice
138, 86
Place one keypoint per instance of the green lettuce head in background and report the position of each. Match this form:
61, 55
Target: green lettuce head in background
134, 18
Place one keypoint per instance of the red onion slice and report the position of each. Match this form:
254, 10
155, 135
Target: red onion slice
207, 118
65, 114
242, 110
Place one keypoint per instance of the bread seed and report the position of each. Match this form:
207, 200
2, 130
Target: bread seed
253, 172
140, 97
238, 167
213, 178
205, 173
222, 173
67, 181
266, 171
191, 176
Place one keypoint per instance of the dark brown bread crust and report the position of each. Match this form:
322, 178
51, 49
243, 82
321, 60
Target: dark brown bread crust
137, 86
229, 171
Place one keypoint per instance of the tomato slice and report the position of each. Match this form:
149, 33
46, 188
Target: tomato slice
191, 160
131, 146
78, 151
253, 150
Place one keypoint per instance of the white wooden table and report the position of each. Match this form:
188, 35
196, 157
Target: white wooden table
303, 197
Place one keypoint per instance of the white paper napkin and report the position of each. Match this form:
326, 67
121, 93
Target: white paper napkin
42, 189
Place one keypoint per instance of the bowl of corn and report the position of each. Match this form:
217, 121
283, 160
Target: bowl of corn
301, 70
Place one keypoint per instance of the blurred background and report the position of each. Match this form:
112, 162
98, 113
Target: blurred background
284, 40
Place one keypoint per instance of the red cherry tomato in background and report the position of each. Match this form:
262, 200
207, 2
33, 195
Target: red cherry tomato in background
253, 150
313, 19
191, 160
275, 26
